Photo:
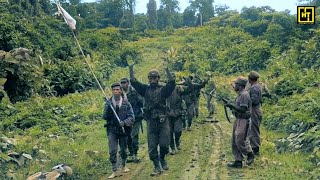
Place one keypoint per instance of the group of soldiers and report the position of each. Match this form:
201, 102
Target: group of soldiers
168, 108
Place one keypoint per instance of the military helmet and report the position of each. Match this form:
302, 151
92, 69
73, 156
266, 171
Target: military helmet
154, 73
254, 75
241, 81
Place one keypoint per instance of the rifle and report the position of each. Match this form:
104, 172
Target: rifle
225, 101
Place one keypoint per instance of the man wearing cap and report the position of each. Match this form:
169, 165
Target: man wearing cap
155, 112
255, 92
136, 102
117, 131
242, 111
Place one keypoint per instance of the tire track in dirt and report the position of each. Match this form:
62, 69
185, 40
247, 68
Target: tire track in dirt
205, 160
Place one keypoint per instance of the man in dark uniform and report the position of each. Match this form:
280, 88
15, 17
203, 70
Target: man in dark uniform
242, 111
176, 116
255, 92
191, 98
158, 129
136, 102
117, 129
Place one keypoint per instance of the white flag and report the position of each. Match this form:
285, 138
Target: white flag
69, 20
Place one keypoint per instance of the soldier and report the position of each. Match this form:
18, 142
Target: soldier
255, 92
176, 116
136, 102
158, 129
116, 130
242, 112
191, 98
209, 93
197, 93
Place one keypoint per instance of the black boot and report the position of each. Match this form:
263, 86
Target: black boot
256, 151
164, 164
250, 158
235, 164
157, 169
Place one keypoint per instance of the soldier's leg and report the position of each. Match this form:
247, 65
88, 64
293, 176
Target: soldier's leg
113, 149
190, 114
164, 141
241, 137
235, 150
123, 139
135, 136
171, 124
130, 145
209, 105
254, 132
153, 142
178, 131
196, 107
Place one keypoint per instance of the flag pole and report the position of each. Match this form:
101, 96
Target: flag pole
91, 70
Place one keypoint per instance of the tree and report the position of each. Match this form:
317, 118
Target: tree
189, 19
141, 22
152, 14
112, 11
205, 9
167, 10
128, 17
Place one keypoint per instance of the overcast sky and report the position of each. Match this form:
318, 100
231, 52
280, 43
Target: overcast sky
278, 5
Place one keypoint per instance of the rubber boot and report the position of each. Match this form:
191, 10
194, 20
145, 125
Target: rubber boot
164, 164
235, 164
157, 169
250, 158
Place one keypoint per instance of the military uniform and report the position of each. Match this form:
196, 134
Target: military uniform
191, 99
255, 92
116, 136
241, 126
242, 112
136, 102
209, 93
175, 115
155, 109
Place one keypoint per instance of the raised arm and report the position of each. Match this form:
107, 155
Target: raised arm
138, 86
167, 89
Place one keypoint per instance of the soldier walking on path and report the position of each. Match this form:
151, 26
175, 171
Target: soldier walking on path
117, 130
255, 92
136, 102
242, 112
191, 98
155, 112
176, 116
209, 93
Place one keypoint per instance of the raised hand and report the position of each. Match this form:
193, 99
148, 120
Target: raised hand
131, 62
